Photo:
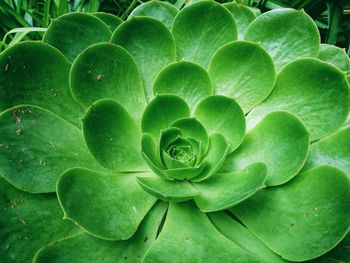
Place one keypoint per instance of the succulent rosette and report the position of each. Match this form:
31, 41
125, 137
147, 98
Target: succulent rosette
204, 134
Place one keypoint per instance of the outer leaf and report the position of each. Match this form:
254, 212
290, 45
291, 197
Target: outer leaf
167, 190
198, 240
197, 37
85, 248
108, 71
286, 34
32, 151
336, 56
151, 53
109, 206
280, 140
110, 20
161, 112
113, 137
222, 191
28, 222
242, 237
186, 80
66, 33
315, 91
162, 11
305, 205
244, 71
333, 150
243, 16
30, 75
220, 114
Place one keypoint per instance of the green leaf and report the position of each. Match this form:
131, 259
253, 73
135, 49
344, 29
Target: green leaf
113, 137
286, 34
315, 91
219, 114
280, 140
110, 20
162, 11
197, 241
303, 219
108, 206
244, 71
32, 151
186, 173
336, 56
215, 157
167, 190
84, 248
151, 53
243, 16
186, 80
161, 112
333, 150
198, 36
223, 191
30, 75
67, 34
243, 237
108, 71
28, 222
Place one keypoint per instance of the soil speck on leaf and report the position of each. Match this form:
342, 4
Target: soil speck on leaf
23, 221
7, 247
99, 77
19, 132
6, 67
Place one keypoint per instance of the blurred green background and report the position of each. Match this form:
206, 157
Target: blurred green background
24, 19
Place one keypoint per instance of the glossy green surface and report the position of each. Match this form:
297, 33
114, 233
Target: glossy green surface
161, 11
244, 71
31, 142
315, 91
283, 149
286, 34
186, 80
108, 71
195, 34
302, 219
28, 222
80, 37
223, 191
110, 20
29, 75
198, 240
84, 248
113, 137
336, 56
108, 206
151, 53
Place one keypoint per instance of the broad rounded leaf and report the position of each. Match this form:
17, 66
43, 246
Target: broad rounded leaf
108, 206
186, 80
315, 91
36, 146
244, 71
198, 36
302, 219
30, 75
280, 140
67, 34
223, 191
113, 137
219, 114
167, 190
197, 241
110, 20
286, 34
84, 248
28, 222
151, 53
162, 11
335, 55
161, 112
108, 71
243, 16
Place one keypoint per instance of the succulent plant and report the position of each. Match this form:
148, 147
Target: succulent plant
205, 134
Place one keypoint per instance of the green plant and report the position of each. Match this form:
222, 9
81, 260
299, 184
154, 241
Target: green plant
168, 141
